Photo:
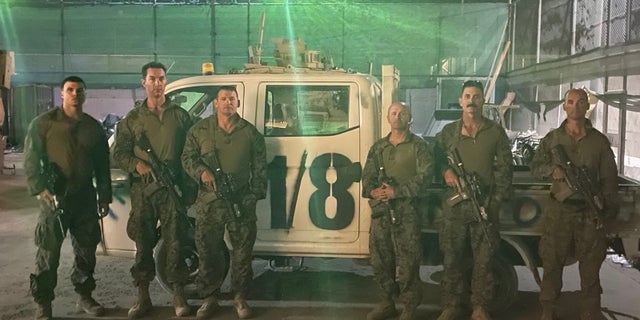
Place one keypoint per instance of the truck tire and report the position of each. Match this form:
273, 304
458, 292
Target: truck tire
190, 258
506, 284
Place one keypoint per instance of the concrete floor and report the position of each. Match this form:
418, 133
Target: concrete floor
327, 289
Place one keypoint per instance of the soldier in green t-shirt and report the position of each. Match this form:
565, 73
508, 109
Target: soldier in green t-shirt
226, 197
65, 149
466, 235
165, 125
568, 223
397, 169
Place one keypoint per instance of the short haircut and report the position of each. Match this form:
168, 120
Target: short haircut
75, 79
226, 88
152, 65
472, 83
404, 106
581, 91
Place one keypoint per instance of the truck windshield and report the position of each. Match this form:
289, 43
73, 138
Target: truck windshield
299, 110
198, 101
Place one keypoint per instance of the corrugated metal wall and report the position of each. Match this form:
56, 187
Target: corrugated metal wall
107, 44
27, 102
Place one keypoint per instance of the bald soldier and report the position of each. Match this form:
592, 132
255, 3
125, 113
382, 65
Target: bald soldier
397, 169
568, 224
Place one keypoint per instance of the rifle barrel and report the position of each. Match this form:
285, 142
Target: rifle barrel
470, 185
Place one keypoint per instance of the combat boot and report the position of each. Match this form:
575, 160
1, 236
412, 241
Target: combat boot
143, 305
43, 311
384, 310
480, 313
548, 313
208, 308
180, 304
88, 305
409, 313
590, 309
242, 307
591, 315
449, 313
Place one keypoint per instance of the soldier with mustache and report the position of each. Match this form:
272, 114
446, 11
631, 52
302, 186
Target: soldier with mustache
467, 242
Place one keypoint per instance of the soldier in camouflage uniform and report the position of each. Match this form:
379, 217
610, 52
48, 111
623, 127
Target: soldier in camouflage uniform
165, 124
398, 167
568, 229
484, 149
65, 149
226, 141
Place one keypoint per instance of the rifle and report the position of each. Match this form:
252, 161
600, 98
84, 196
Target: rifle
162, 173
469, 189
579, 180
225, 187
54, 184
382, 179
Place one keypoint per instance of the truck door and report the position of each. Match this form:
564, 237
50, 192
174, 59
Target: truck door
312, 135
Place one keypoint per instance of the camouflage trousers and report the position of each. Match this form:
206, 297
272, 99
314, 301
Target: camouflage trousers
398, 245
146, 210
567, 233
80, 219
467, 257
211, 220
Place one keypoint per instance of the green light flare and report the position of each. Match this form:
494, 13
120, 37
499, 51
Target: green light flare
7, 27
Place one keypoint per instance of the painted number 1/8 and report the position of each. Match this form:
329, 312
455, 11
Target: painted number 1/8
347, 173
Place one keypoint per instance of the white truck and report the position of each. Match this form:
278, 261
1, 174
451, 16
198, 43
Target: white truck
318, 126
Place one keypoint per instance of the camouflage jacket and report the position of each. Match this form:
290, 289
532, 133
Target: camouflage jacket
592, 151
407, 164
78, 148
488, 154
166, 136
240, 153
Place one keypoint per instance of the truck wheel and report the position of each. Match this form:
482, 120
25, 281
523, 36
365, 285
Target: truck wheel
191, 260
506, 284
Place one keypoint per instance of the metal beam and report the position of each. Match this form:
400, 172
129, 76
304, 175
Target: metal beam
615, 61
